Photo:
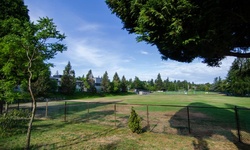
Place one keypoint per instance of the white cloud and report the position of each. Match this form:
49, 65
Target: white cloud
89, 27
144, 52
196, 71
84, 52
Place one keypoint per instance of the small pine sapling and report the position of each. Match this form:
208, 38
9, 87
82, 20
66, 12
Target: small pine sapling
134, 122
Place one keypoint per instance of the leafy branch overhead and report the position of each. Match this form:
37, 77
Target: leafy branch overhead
184, 30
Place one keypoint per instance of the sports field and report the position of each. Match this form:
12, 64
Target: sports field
101, 123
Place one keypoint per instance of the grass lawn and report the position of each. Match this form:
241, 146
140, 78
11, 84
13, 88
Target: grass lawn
166, 124
51, 134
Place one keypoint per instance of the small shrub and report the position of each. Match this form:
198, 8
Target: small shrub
13, 122
134, 122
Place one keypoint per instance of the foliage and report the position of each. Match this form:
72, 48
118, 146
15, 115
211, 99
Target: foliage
68, 81
89, 82
134, 122
158, 82
137, 84
13, 14
105, 82
116, 83
13, 122
238, 78
187, 29
25, 49
12, 9
123, 85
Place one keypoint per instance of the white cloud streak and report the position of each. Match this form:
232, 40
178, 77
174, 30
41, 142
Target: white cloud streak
144, 52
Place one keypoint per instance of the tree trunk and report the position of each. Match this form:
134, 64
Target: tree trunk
1, 107
30, 124
6, 108
33, 105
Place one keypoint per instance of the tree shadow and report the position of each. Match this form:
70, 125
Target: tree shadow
207, 121
58, 111
78, 140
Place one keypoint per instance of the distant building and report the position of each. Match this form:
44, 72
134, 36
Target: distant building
98, 84
79, 86
79, 83
58, 78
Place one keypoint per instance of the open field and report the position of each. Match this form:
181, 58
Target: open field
103, 125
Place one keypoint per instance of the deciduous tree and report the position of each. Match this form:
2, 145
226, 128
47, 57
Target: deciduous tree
28, 48
11, 70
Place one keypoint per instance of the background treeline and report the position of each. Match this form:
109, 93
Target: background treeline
237, 82
120, 85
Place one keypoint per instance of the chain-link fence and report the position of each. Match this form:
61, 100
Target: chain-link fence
200, 120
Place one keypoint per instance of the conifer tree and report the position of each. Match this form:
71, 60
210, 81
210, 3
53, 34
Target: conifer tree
105, 82
134, 122
68, 82
124, 87
116, 83
89, 82
158, 82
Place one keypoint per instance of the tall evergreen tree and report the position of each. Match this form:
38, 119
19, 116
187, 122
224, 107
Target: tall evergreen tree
89, 82
68, 81
105, 82
158, 82
238, 77
116, 83
183, 30
138, 84
124, 87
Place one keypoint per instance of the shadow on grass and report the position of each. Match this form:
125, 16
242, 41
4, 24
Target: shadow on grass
58, 111
82, 138
207, 122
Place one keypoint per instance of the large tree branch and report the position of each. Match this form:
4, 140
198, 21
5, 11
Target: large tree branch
239, 55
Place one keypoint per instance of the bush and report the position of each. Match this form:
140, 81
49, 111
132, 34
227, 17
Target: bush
134, 122
13, 122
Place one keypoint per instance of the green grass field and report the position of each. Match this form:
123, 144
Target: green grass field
92, 126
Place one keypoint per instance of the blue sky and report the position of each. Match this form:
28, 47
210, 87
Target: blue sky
96, 41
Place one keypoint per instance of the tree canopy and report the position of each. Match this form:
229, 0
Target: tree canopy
25, 48
184, 30
238, 78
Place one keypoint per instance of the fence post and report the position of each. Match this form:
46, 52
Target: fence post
65, 111
237, 123
148, 126
6, 107
88, 110
18, 103
46, 113
189, 129
115, 113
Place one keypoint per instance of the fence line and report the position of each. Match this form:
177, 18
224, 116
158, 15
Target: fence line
89, 108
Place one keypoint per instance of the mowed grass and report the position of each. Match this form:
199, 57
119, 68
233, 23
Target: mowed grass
51, 134
55, 134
